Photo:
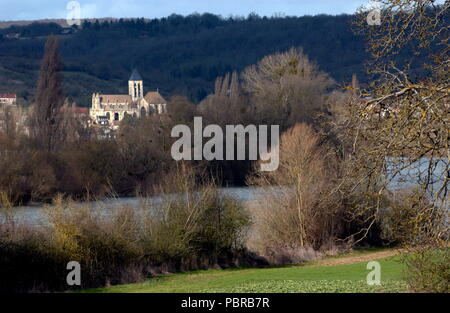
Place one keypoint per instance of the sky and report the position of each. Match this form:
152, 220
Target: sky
45, 9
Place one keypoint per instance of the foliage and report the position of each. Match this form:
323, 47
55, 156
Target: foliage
45, 126
201, 220
429, 270
192, 230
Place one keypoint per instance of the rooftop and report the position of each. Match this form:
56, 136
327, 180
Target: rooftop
115, 99
7, 95
135, 75
154, 97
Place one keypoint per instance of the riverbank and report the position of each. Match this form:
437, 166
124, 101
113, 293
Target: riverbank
120, 244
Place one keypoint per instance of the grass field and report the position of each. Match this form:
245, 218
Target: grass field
336, 274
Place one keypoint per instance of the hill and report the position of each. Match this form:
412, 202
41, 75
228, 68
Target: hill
178, 55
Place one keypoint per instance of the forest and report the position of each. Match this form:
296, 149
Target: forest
180, 55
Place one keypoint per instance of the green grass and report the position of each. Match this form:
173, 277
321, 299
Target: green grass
306, 278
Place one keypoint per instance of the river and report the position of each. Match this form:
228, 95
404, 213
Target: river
406, 178
34, 214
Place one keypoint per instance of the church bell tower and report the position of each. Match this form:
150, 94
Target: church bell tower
136, 86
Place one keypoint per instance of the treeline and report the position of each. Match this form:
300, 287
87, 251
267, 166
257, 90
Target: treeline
178, 55
33, 30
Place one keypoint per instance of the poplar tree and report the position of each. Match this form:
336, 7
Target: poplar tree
45, 122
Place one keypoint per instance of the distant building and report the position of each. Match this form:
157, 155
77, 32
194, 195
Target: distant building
12, 112
13, 36
68, 30
9, 99
82, 114
77, 111
109, 110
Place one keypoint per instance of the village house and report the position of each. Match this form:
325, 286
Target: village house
13, 36
10, 111
109, 110
8, 99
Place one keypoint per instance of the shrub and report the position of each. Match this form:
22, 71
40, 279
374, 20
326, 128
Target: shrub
428, 269
195, 227
300, 210
102, 242
422, 229
409, 218
192, 229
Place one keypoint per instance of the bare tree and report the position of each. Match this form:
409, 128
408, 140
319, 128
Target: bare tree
286, 88
300, 209
228, 104
398, 137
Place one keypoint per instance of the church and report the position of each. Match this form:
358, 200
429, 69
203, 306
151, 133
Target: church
109, 110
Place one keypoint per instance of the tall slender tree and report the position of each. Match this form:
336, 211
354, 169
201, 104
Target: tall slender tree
45, 121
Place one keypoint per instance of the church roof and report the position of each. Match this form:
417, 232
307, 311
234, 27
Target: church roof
154, 97
115, 99
135, 75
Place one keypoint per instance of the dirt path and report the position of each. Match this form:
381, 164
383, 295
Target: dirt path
357, 258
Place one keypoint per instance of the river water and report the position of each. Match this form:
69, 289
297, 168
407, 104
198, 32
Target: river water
406, 178
35, 214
